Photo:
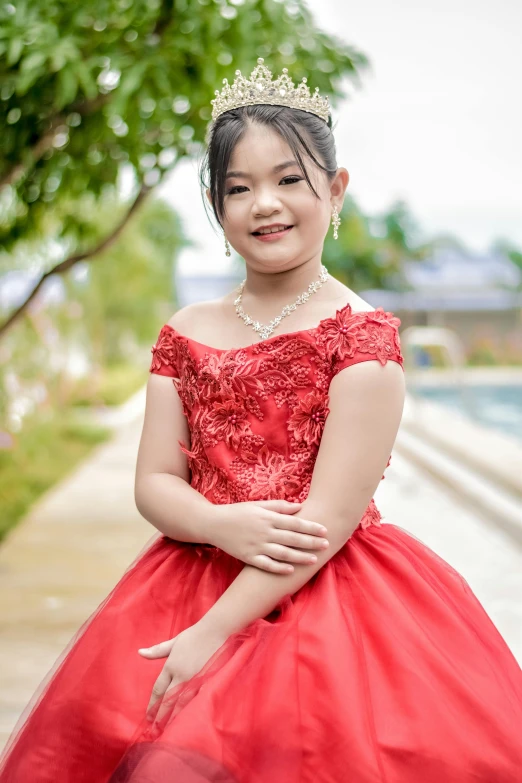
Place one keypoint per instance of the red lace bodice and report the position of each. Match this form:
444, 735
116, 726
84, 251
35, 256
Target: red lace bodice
256, 414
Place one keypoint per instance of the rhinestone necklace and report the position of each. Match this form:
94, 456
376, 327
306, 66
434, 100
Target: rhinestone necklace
265, 330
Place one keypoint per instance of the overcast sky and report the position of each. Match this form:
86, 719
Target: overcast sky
437, 123
439, 120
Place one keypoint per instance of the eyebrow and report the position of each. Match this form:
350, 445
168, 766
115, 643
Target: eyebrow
280, 166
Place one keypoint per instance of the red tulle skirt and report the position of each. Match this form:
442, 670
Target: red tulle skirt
383, 667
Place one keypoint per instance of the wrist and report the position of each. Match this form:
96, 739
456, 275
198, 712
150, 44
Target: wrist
207, 523
211, 628
221, 620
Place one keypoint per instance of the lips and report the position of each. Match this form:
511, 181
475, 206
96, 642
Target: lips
272, 236
268, 233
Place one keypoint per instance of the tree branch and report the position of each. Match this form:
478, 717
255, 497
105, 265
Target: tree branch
84, 107
65, 265
165, 16
44, 143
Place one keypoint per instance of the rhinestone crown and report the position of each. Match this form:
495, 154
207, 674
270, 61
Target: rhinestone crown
261, 89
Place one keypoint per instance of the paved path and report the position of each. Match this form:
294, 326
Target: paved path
78, 540
60, 564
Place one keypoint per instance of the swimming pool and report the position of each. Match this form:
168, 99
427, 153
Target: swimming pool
497, 406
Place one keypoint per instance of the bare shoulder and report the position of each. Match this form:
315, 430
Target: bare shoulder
356, 302
361, 306
187, 319
204, 321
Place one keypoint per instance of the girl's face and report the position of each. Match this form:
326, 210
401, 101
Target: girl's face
266, 188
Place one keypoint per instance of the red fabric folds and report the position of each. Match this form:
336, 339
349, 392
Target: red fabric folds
384, 667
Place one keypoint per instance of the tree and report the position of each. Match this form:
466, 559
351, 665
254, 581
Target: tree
371, 250
91, 87
105, 314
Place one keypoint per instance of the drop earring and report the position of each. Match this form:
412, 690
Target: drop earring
336, 221
227, 248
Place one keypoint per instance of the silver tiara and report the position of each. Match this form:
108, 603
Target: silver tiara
261, 89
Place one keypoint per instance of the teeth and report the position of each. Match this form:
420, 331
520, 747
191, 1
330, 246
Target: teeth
271, 230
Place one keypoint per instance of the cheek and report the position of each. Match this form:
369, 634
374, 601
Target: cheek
237, 214
311, 215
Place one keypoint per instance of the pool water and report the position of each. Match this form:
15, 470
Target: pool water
498, 406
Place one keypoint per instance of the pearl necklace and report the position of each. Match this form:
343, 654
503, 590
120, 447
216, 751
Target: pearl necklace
265, 330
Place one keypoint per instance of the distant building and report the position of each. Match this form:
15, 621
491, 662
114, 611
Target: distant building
476, 295
194, 282
192, 288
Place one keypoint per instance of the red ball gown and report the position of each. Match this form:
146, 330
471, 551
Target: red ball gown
383, 668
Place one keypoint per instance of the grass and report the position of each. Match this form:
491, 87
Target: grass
44, 452
118, 382
50, 446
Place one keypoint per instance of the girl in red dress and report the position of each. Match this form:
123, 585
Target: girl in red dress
275, 629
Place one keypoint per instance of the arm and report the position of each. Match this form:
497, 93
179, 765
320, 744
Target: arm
162, 491
165, 498
366, 404
249, 531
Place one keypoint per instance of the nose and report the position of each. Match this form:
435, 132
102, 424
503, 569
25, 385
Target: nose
266, 202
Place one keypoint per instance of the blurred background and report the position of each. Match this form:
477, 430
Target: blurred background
103, 235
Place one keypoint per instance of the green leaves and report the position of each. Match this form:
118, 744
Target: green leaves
14, 50
80, 80
66, 88
370, 251
33, 62
86, 79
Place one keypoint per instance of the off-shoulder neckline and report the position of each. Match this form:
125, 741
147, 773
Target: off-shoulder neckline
311, 330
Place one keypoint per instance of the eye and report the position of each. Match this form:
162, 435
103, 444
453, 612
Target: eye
234, 190
290, 180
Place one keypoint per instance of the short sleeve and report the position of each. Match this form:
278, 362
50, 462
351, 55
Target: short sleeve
373, 335
164, 353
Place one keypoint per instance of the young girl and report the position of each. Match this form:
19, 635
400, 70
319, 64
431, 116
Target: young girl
275, 631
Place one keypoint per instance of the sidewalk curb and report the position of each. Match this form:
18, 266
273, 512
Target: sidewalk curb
491, 514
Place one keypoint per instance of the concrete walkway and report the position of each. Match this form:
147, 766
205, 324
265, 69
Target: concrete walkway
58, 565
78, 540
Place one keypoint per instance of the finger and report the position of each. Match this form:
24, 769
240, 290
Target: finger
287, 555
277, 504
299, 525
166, 703
161, 650
265, 563
159, 688
289, 538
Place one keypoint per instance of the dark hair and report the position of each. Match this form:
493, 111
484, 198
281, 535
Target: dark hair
300, 129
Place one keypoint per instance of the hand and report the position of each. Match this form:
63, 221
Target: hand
186, 655
267, 534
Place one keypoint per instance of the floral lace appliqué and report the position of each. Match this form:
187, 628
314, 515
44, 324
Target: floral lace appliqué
256, 415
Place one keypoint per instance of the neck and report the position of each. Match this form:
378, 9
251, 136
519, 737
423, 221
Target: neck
280, 288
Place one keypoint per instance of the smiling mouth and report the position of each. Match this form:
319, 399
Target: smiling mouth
268, 233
